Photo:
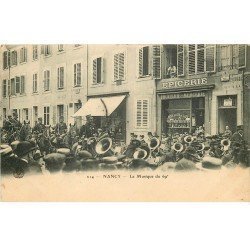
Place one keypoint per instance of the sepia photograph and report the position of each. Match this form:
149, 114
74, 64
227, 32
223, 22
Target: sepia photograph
145, 121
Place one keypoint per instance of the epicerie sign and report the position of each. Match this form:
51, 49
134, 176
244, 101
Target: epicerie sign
184, 83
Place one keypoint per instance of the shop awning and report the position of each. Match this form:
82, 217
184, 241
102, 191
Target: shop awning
102, 106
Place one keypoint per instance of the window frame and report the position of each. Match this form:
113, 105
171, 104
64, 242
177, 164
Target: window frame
76, 74
60, 77
5, 88
46, 115
196, 50
46, 80
35, 83
35, 52
141, 126
23, 55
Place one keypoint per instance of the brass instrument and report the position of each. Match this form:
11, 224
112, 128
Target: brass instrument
226, 144
188, 139
104, 146
154, 144
143, 152
178, 147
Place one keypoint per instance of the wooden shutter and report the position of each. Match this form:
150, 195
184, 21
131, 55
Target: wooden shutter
42, 49
140, 62
139, 113
58, 78
6, 59
102, 70
180, 60
116, 67
210, 53
25, 54
191, 59
200, 58
156, 61
122, 66
13, 87
53, 108
22, 85
48, 80
75, 74
18, 89
242, 56
145, 113
44, 80
95, 71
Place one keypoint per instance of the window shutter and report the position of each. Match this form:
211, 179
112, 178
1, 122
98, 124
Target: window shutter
140, 62
191, 59
121, 66
200, 58
180, 60
79, 74
156, 61
13, 87
210, 57
48, 79
44, 80
139, 113
95, 71
5, 59
54, 115
75, 74
17, 84
242, 56
25, 54
102, 70
22, 85
145, 113
116, 67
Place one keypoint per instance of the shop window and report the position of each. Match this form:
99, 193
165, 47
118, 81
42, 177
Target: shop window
119, 66
142, 113
46, 114
60, 77
77, 75
23, 55
35, 52
98, 70
144, 61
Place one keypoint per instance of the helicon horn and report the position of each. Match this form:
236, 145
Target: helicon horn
178, 147
104, 146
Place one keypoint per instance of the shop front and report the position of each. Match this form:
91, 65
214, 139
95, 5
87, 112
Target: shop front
109, 113
183, 105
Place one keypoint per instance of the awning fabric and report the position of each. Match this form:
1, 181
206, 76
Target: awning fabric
98, 106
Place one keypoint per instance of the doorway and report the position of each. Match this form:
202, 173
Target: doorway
227, 117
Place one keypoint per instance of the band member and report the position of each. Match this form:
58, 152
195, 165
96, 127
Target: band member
228, 132
39, 127
7, 124
171, 72
90, 127
25, 131
134, 143
238, 135
143, 142
61, 127
15, 121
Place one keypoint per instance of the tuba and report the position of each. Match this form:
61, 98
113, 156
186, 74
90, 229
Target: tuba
226, 144
188, 139
143, 152
104, 147
178, 147
154, 143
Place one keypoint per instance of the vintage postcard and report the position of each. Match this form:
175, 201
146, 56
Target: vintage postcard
125, 122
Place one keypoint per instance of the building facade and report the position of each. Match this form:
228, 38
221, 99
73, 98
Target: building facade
141, 88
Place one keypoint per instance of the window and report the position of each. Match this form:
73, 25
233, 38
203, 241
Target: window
18, 89
225, 56
46, 50
13, 86
156, 61
60, 77
77, 74
60, 112
46, 80
46, 115
142, 113
4, 113
35, 52
6, 59
13, 58
242, 50
4, 88
23, 55
196, 58
119, 66
60, 47
144, 61
26, 114
235, 57
98, 70
22, 84
35, 83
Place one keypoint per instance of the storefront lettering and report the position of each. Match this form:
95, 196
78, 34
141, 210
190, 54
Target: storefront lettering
183, 95
184, 83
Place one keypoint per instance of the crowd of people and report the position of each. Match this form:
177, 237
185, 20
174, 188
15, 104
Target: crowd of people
51, 149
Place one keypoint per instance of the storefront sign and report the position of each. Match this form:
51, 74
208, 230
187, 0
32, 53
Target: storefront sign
184, 83
183, 95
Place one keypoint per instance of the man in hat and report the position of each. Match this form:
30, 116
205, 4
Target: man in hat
61, 127
39, 127
25, 131
16, 122
187, 163
228, 132
134, 143
238, 135
90, 127
54, 162
7, 124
